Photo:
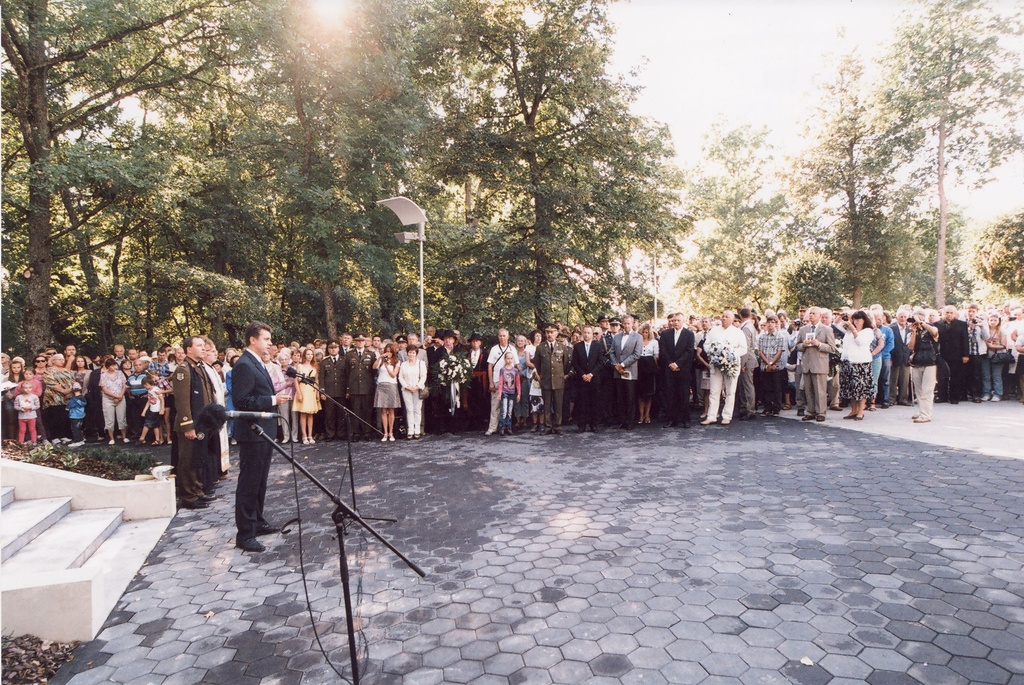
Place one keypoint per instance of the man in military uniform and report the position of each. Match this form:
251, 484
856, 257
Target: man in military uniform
332, 368
358, 382
192, 392
552, 362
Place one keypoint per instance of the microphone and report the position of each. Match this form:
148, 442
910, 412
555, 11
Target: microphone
251, 415
303, 378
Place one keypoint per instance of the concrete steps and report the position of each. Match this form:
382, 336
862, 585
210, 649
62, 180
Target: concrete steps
66, 560
24, 521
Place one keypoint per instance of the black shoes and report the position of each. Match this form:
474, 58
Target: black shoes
250, 545
197, 503
267, 530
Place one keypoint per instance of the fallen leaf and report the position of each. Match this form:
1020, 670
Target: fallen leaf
209, 614
806, 661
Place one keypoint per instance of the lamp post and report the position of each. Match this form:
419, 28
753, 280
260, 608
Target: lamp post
410, 215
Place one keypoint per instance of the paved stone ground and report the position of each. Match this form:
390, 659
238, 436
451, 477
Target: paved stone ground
765, 552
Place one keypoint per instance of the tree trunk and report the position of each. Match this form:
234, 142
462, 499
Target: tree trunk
327, 290
940, 247
34, 120
856, 296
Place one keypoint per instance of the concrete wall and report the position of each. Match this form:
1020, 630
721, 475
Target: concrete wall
139, 499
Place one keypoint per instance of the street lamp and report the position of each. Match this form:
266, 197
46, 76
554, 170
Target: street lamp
410, 214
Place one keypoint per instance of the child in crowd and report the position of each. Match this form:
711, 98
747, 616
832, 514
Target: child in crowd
510, 389
163, 384
76, 412
536, 404
153, 411
38, 388
27, 406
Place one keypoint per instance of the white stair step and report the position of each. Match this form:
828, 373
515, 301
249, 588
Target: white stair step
6, 496
24, 520
121, 556
68, 543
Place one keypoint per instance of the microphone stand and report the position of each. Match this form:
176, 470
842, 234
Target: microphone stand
306, 380
342, 515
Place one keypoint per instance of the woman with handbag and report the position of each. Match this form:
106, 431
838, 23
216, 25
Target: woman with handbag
412, 376
923, 343
998, 358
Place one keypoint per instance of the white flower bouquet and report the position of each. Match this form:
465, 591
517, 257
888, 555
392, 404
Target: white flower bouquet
454, 369
722, 357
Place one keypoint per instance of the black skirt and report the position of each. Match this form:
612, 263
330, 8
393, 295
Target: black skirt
647, 381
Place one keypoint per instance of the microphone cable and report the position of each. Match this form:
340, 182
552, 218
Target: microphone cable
302, 570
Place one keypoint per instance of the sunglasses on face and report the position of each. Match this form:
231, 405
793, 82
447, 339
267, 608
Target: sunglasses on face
40, 361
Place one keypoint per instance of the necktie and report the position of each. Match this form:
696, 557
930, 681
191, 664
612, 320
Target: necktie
586, 348
551, 347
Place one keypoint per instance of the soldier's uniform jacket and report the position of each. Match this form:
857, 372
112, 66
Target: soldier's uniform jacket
552, 366
359, 372
192, 392
331, 376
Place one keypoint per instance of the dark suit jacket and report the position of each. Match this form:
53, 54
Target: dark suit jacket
592, 363
953, 339
681, 354
252, 390
900, 355
192, 392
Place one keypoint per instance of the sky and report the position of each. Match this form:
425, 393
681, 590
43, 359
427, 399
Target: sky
758, 62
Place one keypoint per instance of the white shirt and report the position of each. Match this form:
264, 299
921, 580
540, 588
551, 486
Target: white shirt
496, 359
731, 336
857, 345
413, 375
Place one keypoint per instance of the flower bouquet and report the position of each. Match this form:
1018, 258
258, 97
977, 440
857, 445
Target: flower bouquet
722, 358
454, 370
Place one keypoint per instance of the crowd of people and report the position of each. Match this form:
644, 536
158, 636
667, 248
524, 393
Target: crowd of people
614, 372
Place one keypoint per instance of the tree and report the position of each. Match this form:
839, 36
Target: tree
743, 222
69, 71
847, 179
806, 279
998, 253
953, 98
557, 178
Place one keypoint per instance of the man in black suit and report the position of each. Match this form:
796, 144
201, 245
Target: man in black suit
676, 349
252, 390
953, 346
588, 361
900, 357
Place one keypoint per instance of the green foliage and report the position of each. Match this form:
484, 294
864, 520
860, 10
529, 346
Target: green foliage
916, 284
743, 223
554, 178
998, 253
806, 279
953, 99
847, 179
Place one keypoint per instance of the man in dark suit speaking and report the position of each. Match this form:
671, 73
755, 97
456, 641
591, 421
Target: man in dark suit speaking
252, 390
